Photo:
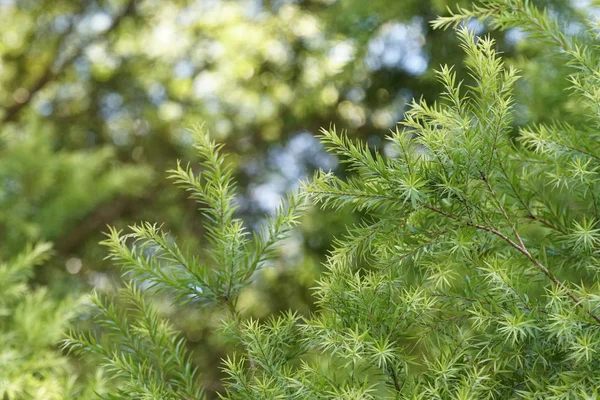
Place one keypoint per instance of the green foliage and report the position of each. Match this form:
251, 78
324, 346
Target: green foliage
31, 325
142, 349
472, 275
146, 352
94, 95
45, 192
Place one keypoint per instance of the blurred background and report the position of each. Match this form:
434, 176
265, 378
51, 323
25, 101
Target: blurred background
97, 98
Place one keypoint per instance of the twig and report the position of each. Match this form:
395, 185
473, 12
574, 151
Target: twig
501, 208
523, 250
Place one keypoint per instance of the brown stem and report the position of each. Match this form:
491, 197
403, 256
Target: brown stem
522, 250
394, 376
525, 206
501, 208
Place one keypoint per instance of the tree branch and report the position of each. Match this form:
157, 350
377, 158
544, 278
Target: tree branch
501, 208
55, 69
522, 250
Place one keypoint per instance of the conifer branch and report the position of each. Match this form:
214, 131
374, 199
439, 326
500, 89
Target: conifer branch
523, 250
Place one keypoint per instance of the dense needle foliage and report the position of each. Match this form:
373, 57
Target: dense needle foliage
473, 274
31, 325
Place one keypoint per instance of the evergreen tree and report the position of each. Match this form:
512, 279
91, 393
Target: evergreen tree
42, 192
31, 325
45, 191
473, 274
